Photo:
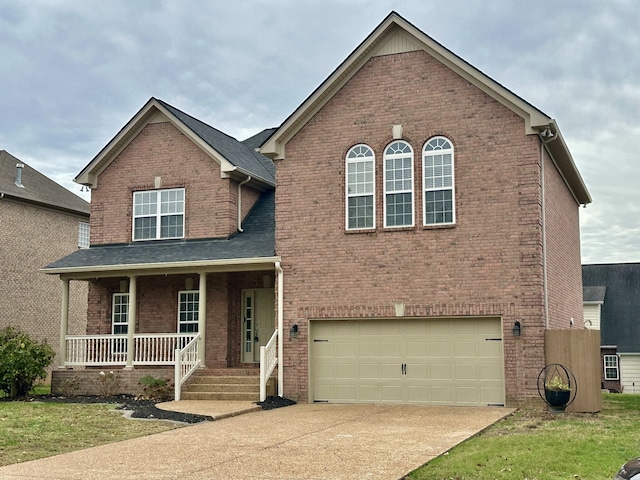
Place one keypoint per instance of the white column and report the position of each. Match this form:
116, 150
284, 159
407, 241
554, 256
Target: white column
202, 317
131, 328
64, 323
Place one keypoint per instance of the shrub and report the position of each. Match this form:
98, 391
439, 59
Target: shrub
22, 361
156, 388
70, 386
108, 383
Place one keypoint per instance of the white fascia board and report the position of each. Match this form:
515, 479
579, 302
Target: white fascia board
238, 264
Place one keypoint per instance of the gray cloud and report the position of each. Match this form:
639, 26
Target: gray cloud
73, 73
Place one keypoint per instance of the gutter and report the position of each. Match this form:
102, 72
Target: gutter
551, 136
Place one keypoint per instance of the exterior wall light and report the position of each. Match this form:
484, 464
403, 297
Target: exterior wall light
293, 331
517, 329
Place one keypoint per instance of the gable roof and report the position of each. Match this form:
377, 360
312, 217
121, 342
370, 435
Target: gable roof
37, 188
236, 159
593, 295
397, 35
619, 322
256, 244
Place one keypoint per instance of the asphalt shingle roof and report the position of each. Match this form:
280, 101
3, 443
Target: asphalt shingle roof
619, 323
240, 154
37, 187
257, 240
594, 294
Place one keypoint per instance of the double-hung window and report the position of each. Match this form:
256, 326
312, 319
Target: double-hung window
188, 304
439, 195
360, 183
120, 321
158, 214
611, 371
83, 235
398, 185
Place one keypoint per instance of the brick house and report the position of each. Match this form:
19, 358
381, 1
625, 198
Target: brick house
41, 221
422, 238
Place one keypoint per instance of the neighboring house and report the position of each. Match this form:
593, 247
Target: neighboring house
612, 294
422, 238
41, 221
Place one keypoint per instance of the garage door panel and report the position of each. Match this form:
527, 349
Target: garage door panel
448, 361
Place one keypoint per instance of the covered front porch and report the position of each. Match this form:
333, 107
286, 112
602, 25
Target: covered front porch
213, 314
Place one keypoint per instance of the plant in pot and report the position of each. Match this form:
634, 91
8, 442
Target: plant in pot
557, 386
557, 392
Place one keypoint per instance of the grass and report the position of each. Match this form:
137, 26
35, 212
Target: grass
31, 430
535, 445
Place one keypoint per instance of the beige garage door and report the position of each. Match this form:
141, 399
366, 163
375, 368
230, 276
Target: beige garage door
437, 361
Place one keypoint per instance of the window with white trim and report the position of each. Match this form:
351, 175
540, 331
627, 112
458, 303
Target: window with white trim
188, 305
438, 182
611, 371
360, 188
83, 235
120, 321
398, 185
158, 214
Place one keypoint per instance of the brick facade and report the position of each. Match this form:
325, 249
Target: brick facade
612, 385
31, 238
489, 263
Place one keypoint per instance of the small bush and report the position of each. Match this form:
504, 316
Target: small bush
156, 388
70, 386
108, 383
22, 361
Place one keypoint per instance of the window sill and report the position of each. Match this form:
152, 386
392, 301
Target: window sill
439, 227
363, 230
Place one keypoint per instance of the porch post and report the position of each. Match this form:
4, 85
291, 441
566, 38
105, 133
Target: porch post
64, 323
202, 317
131, 327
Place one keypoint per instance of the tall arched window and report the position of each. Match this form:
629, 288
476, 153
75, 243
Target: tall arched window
439, 190
360, 188
398, 185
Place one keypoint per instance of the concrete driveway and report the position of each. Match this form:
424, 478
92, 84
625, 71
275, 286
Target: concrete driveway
305, 441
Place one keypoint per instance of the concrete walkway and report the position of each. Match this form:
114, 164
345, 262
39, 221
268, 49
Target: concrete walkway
305, 441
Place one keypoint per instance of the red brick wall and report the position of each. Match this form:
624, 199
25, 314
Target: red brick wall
564, 269
489, 263
613, 385
160, 150
32, 237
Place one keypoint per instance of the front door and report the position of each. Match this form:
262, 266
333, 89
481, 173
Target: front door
258, 322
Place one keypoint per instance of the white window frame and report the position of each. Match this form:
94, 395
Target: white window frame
119, 345
155, 211
364, 156
616, 366
392, 153
426, 188
183, 314
84, 235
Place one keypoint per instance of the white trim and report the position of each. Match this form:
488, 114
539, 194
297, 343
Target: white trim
397, 156
157, 214
84, 235
604, 367
197, 312
360, 159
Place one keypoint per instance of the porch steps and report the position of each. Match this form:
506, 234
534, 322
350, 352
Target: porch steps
226, 384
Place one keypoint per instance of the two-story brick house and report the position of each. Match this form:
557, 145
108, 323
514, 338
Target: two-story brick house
425, 235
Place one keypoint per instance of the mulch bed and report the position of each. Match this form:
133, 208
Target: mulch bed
143, 408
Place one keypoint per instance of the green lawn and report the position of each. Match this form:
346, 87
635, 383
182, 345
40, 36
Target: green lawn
535, 445
30, 430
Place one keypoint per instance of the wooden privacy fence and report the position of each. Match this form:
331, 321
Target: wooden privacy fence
579, 351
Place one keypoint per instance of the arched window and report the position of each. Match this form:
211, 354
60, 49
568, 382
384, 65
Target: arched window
439, 193
398, 185
360, 188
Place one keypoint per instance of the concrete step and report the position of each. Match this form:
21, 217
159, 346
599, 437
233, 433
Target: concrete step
232, 372
223, 387
211, 379
249, 397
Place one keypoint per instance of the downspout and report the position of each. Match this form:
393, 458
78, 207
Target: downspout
239, 202
280, 329
545, 284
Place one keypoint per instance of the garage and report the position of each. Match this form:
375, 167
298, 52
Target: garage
445, 361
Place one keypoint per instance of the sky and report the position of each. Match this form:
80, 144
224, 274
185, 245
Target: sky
73, 73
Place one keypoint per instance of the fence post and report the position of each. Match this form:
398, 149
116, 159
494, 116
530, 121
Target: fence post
263, 380
177, 382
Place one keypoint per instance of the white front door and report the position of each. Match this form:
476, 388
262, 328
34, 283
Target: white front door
258, 322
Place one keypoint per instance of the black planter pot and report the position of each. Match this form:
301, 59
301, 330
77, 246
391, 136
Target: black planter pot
557, 399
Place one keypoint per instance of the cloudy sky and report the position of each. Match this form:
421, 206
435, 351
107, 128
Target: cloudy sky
73, 72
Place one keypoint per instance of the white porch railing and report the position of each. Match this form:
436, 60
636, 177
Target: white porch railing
187, 361
268, 361
149, 349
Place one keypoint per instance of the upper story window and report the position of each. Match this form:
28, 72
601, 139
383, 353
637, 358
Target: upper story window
360, 167
398, 185
158, 214
439, 195
83, 235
